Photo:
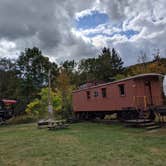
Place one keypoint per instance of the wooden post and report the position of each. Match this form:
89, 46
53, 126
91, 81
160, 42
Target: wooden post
50, 108
145, 102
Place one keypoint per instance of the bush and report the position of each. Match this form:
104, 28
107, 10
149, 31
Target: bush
39, 107
22, 119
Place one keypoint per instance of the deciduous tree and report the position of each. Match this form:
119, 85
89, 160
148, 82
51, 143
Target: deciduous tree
33, 69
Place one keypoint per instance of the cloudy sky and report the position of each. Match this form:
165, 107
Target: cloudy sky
76, 29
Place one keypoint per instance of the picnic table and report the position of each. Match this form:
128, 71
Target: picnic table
52, 124
58, 124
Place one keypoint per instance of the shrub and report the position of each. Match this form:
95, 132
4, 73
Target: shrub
39, 107
22, 119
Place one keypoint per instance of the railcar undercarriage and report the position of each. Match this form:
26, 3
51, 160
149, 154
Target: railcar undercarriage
125, 114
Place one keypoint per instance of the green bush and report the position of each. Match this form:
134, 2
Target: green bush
39, 107
22, 119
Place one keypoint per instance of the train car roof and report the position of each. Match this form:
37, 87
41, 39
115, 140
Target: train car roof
125, 79
6, 101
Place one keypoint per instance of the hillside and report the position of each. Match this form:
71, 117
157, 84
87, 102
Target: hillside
147, 67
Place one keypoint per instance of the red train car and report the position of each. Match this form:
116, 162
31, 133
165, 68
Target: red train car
126, 97
6, 109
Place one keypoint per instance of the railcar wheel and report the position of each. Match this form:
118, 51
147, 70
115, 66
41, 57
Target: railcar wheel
127, 115
78, 116
119, 116
102, 116
91, 116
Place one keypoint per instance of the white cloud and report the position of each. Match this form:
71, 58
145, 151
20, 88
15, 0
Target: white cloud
7, 48
81, 35
105, 29
83, 13
147, 17
7, 44
99, 41
50, 26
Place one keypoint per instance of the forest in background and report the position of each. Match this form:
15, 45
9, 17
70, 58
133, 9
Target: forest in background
25, 79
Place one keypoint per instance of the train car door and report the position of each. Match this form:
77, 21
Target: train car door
148, 92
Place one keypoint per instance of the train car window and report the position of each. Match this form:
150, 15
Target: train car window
104, 92
88, 94
96, 93
122, 89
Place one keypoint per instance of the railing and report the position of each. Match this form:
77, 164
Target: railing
144, 102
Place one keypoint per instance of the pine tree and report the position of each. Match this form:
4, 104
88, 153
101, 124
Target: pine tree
110, 64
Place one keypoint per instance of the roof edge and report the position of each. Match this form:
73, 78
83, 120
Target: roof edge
125, 79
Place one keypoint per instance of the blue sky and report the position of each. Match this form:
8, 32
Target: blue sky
91, 21
95, 19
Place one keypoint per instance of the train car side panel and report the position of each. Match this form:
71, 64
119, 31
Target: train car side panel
118, 96
139, 92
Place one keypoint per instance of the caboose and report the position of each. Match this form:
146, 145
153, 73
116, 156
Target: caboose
6, 109
128, 98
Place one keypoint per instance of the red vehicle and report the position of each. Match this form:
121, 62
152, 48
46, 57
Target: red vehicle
127, 97
6, 109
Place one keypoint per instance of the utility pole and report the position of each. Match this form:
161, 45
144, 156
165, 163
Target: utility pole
50, 109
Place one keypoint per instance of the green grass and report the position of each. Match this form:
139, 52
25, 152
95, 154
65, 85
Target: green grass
83, 144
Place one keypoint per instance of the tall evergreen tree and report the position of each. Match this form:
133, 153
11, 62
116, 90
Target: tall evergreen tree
109, 64
103, 68
116, 63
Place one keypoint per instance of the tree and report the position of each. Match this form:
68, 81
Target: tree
87, 69
39, 106
103, 68
109, 64
9, 82
70, 69
7, 64
116, 63
69, 66
33, 69
156, 56
65, 88
142, 66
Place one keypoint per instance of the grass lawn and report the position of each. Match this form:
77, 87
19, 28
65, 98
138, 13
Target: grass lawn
83, 144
